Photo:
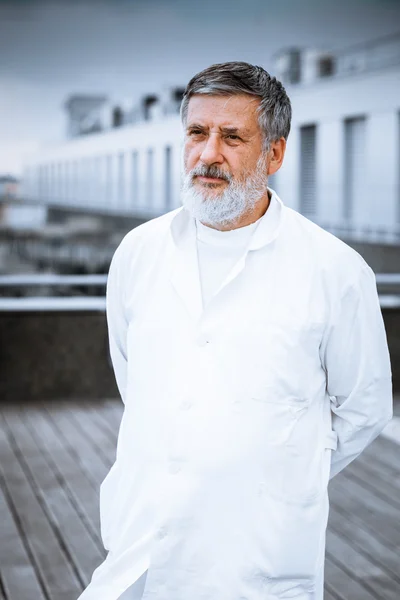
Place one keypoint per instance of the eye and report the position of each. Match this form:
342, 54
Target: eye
196, 132
232, 136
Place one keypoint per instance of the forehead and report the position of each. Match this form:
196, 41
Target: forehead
224, 111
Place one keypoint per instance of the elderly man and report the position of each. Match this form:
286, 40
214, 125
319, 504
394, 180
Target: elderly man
250, 353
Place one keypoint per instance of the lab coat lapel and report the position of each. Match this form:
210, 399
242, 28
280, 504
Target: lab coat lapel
185, 273
234, 272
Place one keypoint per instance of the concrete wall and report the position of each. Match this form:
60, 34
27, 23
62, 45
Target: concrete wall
54, 355
382, 258
57, 355
392, 324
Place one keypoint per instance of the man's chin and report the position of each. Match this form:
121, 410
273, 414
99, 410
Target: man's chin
208, 191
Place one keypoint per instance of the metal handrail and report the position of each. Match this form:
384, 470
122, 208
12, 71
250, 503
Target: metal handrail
51, 279
76, 303
53, 303
387, 278
55, 279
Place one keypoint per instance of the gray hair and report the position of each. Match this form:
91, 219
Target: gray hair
231, 78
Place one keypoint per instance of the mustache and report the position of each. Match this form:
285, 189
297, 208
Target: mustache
210, 171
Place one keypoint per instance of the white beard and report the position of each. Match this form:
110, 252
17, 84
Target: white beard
237, 199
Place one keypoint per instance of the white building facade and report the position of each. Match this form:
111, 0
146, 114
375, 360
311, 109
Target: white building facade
343, 156
341, 168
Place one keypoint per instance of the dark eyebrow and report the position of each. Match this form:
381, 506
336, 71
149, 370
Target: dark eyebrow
224, 130
195, 126
230, 130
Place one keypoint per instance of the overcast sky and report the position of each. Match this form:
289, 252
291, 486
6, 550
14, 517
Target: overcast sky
124, 48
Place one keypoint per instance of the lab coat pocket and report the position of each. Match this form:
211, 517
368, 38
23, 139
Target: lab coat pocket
296, 461
292, 536
293, 589
294, 514
305, 476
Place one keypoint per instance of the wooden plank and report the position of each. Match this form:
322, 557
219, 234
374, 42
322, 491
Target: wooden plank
18, 575
361, 567
81, 491
79, 545
381, 480
364, 540
19, 583
113, 410
370, 480
92, 462
77, 441
343, 586
105, 420
379, 515
99, 437
100, 433
386, 472
45, 544
328, 595
383, 452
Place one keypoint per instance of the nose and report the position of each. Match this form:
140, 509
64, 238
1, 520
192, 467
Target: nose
211, 152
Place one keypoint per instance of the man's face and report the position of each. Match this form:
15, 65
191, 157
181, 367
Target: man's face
225, 168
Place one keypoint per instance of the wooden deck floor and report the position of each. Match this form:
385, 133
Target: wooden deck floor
54, 456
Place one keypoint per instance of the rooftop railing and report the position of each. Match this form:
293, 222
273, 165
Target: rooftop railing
388, 285
52, 303
369, 56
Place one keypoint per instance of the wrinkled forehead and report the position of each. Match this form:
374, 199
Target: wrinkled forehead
238, 110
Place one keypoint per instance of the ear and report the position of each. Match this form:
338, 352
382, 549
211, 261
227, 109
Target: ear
275, 155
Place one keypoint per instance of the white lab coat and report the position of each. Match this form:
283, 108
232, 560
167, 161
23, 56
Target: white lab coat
236, 416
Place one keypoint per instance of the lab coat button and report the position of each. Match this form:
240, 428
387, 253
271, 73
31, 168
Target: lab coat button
174, 467
186, 404
162, 533
202, 340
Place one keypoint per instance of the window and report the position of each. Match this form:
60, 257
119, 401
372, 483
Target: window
121, 179
59, 178
326, 66
84, 181
76, 181
149, 103
168, 178
308, 170
117, 117
134, 178
49, 181
98, 181
90, 180
109, 180
41, 182
398, 168
149, 178
67, 179
354, 165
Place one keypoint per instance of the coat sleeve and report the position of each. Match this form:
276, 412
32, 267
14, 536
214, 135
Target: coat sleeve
356, 360
116, 321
